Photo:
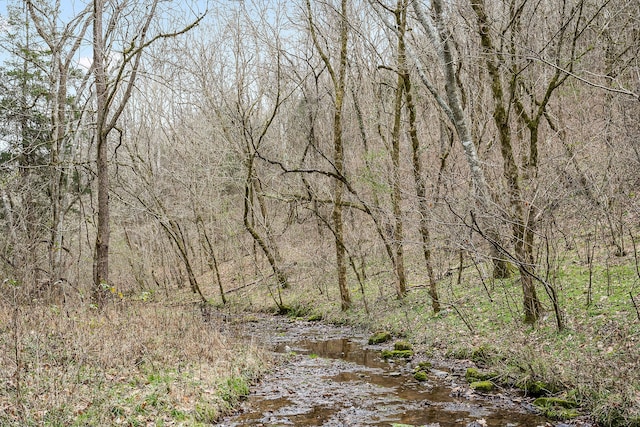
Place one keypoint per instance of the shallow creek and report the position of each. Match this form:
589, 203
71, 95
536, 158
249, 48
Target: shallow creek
333, 378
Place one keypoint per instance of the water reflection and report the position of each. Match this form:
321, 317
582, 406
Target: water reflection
340, 382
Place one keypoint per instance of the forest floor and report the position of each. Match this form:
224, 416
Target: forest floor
148, 360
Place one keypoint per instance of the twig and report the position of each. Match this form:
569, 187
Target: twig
551, 292
469, 326
246, 285
587, 82
633, 301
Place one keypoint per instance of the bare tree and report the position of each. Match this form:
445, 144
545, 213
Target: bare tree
338, 78
423, 209
63, 46
436, 29
111, 99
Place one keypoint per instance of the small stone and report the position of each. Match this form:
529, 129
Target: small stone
420, 376
402, 346
379, 337
483, 386
440, 374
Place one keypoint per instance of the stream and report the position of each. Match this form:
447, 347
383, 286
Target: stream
333, 378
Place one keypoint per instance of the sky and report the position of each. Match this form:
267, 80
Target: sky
70, 8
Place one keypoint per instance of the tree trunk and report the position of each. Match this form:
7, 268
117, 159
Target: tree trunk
442, 37
423, 208
396, 195
523, 249
338, 78
345, 298
101, 255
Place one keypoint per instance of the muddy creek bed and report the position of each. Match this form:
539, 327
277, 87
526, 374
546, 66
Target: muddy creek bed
333, 378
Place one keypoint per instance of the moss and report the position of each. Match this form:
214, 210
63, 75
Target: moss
314, 318
559, 413
482, 386
555, 401
556, 408
423, 366
474, 374
402, 345
397, 354
537, 388
420, 376
379, 337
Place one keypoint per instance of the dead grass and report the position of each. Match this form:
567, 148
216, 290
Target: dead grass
132, 363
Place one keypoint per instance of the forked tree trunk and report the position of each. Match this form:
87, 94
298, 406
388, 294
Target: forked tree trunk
523, 248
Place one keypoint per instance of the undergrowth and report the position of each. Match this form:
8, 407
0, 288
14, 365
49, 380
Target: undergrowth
132, 363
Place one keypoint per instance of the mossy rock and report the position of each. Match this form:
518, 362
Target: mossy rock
474, 374
420, 376
402, 345
314, 318
556, 408
379, 337
424, 366
397, 354
484, 386
537, 388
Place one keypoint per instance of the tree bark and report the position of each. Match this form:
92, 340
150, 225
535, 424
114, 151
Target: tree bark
396, 195
338, 78
101, 256
523, 242
423, 208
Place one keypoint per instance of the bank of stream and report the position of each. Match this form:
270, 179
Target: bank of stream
332, 377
